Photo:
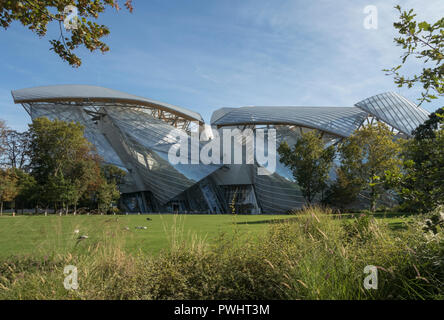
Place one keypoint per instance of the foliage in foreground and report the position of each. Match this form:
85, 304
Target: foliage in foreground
317, 257
421, 181
425, 42
37, 15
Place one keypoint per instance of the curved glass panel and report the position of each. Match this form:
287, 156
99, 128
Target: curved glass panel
340, 121
92, 93
395, 110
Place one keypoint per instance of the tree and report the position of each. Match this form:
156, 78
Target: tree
107, 193
62, 162
346, 188
430, 128
26, 190
15, 149
8, 187
425, 41
3, 130
310, 162
37, 15
365, 157
85, 176
113, 174
421, 182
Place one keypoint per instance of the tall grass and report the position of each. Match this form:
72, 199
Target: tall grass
317, 256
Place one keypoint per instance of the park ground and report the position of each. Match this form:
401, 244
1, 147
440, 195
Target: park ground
43, 235
314, 254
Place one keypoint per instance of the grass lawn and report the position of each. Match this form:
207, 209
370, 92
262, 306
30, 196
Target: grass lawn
218, 257
40, 235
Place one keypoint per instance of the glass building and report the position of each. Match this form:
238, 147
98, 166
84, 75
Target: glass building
138, 135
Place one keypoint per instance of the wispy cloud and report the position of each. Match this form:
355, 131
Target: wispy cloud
206, 55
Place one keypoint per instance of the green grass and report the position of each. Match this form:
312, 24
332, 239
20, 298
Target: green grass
313, 255
40, 235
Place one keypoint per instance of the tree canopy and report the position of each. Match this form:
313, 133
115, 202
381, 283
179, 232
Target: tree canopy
310, 162
8, 187
424, 41
62, 161
36, 15
421, 182
61, 168
2, 137
15, 148
365, 157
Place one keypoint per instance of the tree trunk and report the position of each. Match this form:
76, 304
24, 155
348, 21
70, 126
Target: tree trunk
1, 208
373, 199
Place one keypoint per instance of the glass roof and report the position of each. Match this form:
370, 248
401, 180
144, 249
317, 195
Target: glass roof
340, 121
395, 110
93, 93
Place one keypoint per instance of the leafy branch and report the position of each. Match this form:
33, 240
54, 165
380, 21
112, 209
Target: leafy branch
37, 14
425, 41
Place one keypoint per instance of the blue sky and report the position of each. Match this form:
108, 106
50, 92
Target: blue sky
208, 54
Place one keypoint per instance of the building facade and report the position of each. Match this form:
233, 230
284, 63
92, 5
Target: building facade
139, 135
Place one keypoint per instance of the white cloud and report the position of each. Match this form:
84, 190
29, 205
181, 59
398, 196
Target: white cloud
348, 58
